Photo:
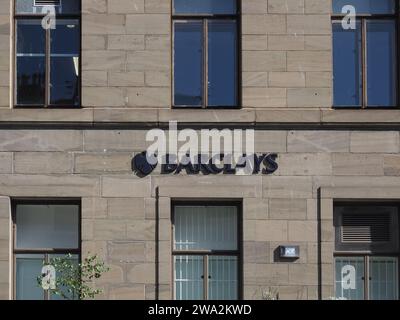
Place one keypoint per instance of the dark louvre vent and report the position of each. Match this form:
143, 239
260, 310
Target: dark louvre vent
366, 228
47, 2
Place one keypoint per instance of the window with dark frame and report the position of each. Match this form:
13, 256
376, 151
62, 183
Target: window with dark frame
47, 57
206, 251
366, 250
42, 230
206, 53
365, 59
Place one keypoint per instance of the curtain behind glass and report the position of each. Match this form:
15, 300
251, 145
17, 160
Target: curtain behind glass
206, 228
223, 281
354, 293
188, 278
384, 278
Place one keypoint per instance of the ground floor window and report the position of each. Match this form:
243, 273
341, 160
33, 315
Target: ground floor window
206, 251
368, 277
367, 251
42, 230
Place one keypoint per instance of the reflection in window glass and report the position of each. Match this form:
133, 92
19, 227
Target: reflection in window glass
205, 6
381, 62
64, 65
47, 60
30, 62
222, 63
188, 63
347, 71
366, 6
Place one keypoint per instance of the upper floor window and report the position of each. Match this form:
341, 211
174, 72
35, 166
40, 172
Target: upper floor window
47, 47
205, 53
365, 66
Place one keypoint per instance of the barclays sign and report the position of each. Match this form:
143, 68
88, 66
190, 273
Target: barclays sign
218, 164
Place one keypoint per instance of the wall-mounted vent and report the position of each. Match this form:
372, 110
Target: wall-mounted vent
38, 3
366, 228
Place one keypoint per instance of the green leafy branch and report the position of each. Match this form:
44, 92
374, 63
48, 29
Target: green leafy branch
75, 280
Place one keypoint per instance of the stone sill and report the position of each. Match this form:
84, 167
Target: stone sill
151, 116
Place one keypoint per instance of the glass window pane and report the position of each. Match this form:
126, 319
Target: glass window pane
65, 38
28, 268
222, 63
47, 226
347, 69
66, 7
31, 37
30, 64
30, 80
381, 62
188, 63
64, 67
188, 278
207, 228
383, 284
366, 6
349, 275
205, 6
223, 278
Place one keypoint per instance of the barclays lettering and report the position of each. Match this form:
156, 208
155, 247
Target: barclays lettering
220, 164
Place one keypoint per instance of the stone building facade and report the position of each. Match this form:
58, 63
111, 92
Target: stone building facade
326, 155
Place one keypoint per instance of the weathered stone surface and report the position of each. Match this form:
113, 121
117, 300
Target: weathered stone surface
287, 209
303, 274
318, 141
129, 252
357, 164
265, 230
287, 187
42, 162
375, 142
6, 162
126, 208
141, 230
49, 185
134, 292
102, 163
125, 186
392, 165
142, 273
40, 140
304, 164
